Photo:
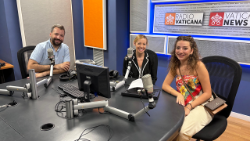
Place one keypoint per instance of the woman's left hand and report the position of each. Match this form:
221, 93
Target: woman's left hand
187, 111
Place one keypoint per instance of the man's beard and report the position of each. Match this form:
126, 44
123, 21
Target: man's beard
54, 42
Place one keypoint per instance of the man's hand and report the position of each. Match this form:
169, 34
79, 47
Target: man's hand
64, 66
42, 74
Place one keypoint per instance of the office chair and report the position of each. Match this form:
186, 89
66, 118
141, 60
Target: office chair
23, 56
225, 76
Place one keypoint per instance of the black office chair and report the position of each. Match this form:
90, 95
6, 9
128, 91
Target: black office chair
23, 56
154, 55
225, 76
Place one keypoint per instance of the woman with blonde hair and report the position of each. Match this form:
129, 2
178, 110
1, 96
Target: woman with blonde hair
187, 68
144, 61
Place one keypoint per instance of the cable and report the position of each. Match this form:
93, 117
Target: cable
144, 106
13, 103
92, 129
3, 108
60, 110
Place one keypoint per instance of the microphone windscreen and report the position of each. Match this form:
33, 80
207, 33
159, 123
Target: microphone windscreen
130, 52
147, 83
50, 53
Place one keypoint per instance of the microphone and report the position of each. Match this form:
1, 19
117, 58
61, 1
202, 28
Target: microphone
147, 83
50, 53
128, 58
52, 63
149, 87
129, 53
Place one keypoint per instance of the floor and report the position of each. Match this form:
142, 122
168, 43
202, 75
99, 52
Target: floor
237, 130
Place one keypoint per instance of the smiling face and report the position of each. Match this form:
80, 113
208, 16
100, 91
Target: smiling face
140, 45
57, 36
183, 50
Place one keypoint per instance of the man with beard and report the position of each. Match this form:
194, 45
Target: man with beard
39, 58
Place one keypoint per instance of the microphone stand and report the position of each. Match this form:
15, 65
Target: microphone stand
29, 90
50, 79
72, 107
121, 83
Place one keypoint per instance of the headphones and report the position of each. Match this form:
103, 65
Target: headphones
113, 74
2, 64
71, 74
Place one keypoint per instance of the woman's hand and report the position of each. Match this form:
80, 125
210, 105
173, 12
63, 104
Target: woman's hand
188, 108
187, 111
180, 99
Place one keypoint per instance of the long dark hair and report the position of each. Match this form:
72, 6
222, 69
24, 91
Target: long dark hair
192, 59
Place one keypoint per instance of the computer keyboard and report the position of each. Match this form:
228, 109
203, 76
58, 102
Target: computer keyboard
72, 90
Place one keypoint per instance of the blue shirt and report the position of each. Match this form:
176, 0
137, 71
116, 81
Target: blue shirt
40, 54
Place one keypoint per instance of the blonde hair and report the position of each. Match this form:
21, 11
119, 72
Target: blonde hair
140, 36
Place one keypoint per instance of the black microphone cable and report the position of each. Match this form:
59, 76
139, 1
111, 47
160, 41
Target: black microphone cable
144, 106
13, 103
92, 129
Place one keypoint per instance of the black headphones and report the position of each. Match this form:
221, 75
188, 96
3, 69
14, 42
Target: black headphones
2, 64
71, 74
113, 74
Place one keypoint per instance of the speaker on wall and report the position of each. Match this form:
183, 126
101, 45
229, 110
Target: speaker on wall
156, 43
139, 16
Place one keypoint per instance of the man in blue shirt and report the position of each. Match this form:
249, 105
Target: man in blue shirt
39, 58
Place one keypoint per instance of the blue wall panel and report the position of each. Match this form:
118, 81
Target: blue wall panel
122, 22
4, 36
110, 54
81, 52
10, 37
15, 40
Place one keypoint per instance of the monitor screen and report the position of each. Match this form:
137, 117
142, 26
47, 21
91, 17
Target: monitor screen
98, 77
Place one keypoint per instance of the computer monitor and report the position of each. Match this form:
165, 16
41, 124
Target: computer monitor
93, 79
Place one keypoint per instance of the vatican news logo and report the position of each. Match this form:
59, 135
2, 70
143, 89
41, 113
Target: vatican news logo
216, 19
170, 19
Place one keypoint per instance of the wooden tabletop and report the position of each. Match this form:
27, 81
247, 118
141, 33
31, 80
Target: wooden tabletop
7, 65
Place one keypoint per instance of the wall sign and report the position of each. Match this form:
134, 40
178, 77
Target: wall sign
229, 19
184, 19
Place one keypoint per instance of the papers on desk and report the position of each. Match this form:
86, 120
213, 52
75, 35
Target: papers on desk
136, 84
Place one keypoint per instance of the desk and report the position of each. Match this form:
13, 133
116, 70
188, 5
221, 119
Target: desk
23, 122
6, 72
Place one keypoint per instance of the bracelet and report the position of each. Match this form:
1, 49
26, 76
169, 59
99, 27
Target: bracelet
188, 108
190, 105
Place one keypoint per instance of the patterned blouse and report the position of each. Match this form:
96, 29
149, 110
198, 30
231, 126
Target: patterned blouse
192, 83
